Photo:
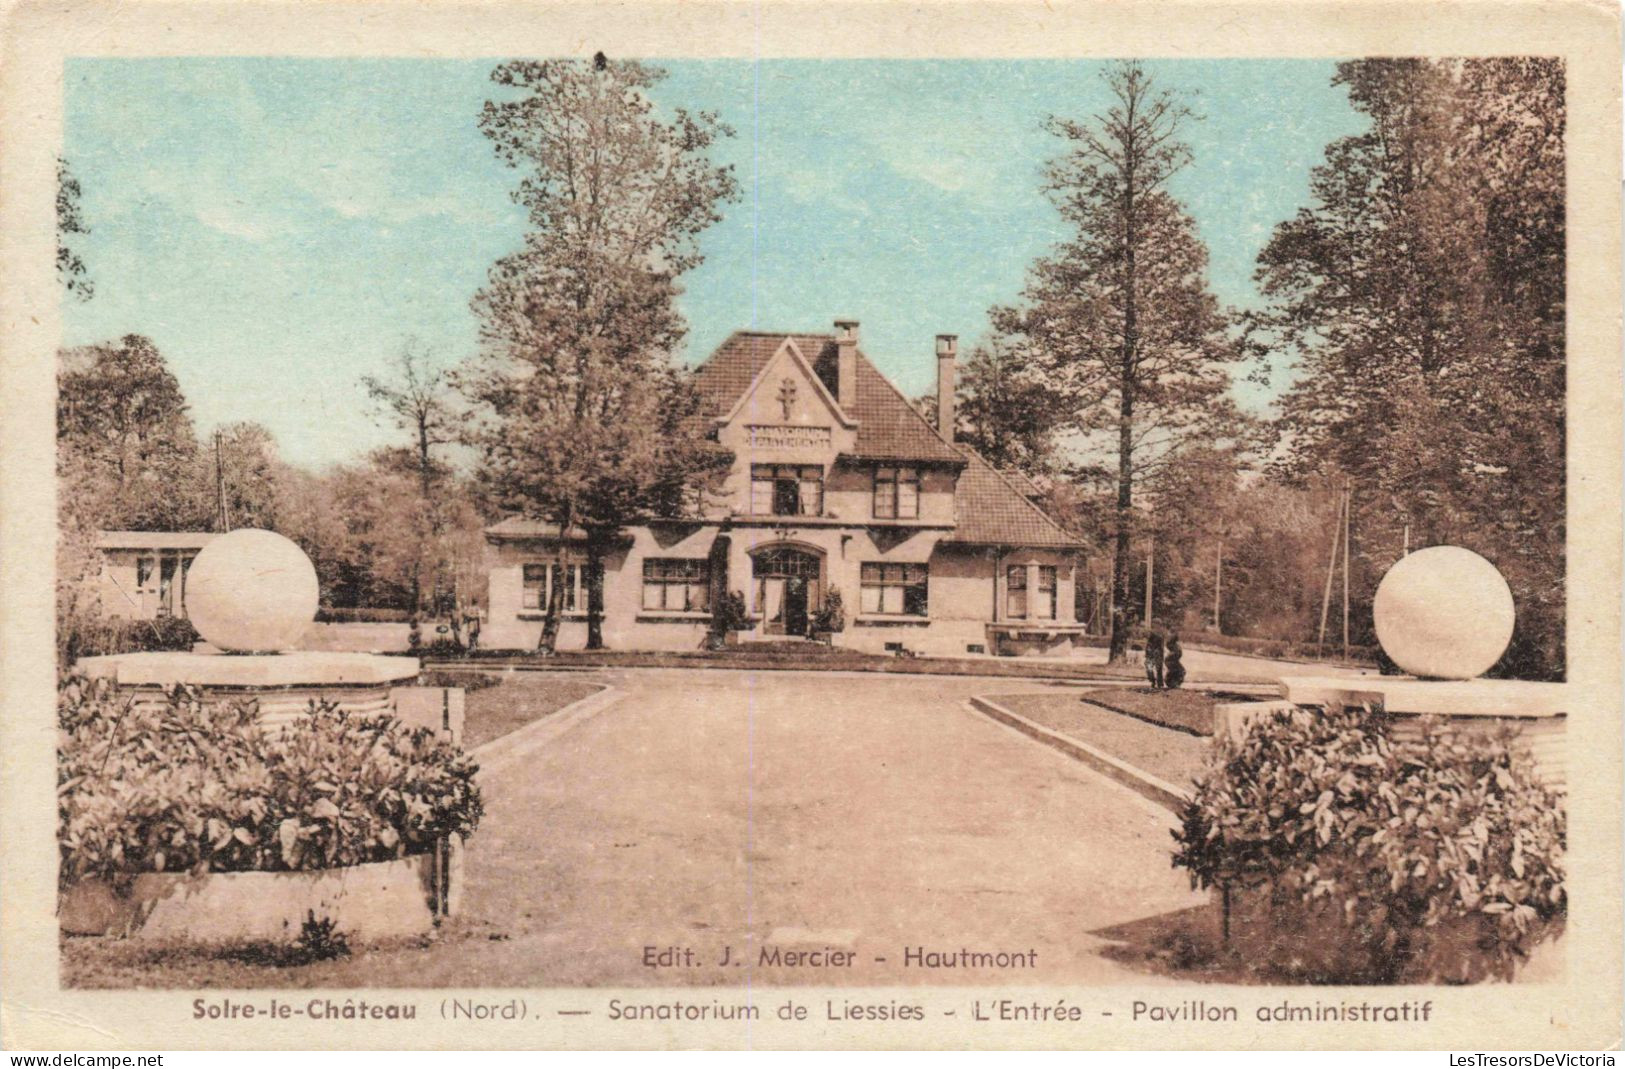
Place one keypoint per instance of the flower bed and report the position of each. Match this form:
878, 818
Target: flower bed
184, 787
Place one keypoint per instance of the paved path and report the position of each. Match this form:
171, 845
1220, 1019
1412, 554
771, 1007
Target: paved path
869, 814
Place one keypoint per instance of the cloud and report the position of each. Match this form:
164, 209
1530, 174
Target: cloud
227, 219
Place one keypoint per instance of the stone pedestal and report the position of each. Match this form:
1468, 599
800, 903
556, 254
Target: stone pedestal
284, 684
1537, 711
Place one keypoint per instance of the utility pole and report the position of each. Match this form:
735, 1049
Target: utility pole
1150, 573
1331, 571
222, 517
1218, 582
1348, 508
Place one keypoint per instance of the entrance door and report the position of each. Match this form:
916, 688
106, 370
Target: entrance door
786, 589
795, 606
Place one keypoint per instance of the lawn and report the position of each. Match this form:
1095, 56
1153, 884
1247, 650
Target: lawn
1183, 710
803, 656
1174, 756
514, 700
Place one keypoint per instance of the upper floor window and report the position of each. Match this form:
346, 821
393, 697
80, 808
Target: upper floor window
897, 493
786, 490
895, 589
537, 590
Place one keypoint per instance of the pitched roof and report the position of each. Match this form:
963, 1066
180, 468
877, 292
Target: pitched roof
889, 428
154, 539
520, 527
991, 510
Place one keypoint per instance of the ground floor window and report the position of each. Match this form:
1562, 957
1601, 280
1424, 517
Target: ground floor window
895, 589
538, 591
1044, 603
676, 584
1037, 604
160, 581
1015, 592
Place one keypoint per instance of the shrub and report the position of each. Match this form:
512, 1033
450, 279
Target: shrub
831, 616
1401, 839
94, 636
469, 681
441, 647
730, 613
362, 615
181, 785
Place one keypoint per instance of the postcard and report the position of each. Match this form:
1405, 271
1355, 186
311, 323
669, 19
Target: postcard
811, 525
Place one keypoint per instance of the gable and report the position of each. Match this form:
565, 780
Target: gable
786, 392
888, 427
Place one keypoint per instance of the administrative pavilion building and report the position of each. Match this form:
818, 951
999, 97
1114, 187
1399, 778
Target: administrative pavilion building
837, 484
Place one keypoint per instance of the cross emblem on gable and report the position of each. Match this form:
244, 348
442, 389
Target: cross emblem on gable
787, 396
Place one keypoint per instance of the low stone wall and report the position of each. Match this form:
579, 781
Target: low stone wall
383, 900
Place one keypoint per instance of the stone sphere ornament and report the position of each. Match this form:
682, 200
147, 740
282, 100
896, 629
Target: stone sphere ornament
251, 591
1443, 613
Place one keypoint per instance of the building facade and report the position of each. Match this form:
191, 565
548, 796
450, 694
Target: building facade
838, 484
143, 573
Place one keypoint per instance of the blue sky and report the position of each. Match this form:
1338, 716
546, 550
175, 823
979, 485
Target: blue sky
279, 226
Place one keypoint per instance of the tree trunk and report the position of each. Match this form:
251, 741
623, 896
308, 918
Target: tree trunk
556, 579
1118, 650
596, 545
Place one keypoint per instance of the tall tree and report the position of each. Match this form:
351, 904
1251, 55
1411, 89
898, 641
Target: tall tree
1119, 319
582, 413
125, 442
416, 396
1422, 295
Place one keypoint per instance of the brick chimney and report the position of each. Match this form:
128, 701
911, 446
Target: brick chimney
947, 353
846, 364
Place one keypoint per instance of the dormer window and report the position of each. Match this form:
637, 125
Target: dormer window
897, 493
786, 490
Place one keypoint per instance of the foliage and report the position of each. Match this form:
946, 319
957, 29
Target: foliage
1004, 410
94, 635
467, 681
416, 396
583, 420
1394, 836
319, 939
70, 266
1422, 297
126, 454
730, 613
184, 786
831, 616
1118, 322
331, 615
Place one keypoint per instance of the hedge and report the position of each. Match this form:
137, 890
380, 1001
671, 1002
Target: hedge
1391, 846
187, 786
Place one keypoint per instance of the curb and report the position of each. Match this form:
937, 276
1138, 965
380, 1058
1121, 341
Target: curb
505, 748
1137, 780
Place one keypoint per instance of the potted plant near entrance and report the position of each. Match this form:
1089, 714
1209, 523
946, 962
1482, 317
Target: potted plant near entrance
830, 618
